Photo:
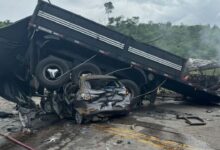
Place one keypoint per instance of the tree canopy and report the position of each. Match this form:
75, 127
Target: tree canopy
197, 41
108, 7
4, 23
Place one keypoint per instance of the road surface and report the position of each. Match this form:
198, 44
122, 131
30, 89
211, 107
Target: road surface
151, 128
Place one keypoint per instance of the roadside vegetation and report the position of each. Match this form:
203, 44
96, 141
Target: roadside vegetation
4, 23
197, 41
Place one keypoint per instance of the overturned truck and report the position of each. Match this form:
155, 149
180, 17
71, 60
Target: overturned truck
53, 47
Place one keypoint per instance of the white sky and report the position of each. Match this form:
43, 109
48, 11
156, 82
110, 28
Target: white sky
188, 12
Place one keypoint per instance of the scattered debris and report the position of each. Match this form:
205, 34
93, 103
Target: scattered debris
107, 148
119, 142
13, 129
209, 119
209, 111
133, 127
17, 142
54, 138
190, 120
203, 73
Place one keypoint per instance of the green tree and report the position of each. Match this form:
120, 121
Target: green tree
197, 41
108, 8
5, 23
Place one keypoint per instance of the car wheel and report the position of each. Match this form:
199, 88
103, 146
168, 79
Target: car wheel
46, 106
49, 72
132, 88
87, 68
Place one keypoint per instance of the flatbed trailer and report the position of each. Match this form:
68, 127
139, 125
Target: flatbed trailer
57, 21
64, 25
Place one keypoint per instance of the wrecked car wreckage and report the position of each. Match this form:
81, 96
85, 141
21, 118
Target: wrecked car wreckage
45, 55
101, 95
95, 97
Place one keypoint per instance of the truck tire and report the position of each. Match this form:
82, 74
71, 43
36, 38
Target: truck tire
51, 80
133, 88
85, 68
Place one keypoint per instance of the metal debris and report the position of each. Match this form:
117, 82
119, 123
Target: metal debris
133, 127
192, 120
119, 142
53, 138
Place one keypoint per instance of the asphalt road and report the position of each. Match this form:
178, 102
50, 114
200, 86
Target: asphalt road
149, 128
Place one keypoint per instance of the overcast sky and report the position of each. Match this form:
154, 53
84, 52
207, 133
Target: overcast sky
188, 12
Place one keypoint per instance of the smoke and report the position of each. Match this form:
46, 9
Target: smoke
210, 40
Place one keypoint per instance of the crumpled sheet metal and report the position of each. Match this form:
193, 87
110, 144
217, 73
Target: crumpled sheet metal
196, 64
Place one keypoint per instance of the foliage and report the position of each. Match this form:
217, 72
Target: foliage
4, 23
108, 7
197, 41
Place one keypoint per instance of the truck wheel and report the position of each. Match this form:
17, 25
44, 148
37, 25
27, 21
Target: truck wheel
85, 69
133, 88
49, 72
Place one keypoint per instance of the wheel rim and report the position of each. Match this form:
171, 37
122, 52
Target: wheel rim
47, 107
52, 72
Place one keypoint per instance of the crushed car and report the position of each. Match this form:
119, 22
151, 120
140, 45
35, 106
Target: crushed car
94, 98
100, 96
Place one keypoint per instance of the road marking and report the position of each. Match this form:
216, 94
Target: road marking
146, 139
